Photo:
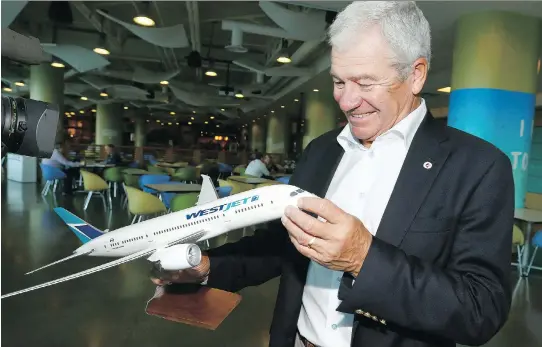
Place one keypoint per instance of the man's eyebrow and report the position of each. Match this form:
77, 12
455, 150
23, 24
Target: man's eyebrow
364, 76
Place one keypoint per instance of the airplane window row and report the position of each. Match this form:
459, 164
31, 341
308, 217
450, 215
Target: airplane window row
207, 219
133, 239
248, 208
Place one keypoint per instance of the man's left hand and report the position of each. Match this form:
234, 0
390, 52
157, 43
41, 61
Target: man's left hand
340, 243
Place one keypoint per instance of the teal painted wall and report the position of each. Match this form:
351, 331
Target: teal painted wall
534, 182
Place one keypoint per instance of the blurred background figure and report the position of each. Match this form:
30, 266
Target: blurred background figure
71, 168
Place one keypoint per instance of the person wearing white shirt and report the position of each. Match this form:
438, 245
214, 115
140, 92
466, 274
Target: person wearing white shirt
258, 166
406, 239
71, 168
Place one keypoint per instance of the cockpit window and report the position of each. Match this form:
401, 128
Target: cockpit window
294, 193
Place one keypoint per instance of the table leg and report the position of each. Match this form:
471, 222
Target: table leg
527, 248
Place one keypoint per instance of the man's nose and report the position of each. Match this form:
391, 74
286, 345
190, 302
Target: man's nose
349, 99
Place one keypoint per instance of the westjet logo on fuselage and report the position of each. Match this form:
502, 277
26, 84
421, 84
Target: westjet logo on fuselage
223, 207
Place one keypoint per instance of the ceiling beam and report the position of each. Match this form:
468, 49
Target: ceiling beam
112, 36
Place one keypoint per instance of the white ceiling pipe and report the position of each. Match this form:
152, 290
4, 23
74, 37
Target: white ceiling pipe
236, 42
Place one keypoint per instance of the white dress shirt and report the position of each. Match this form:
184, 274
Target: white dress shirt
361, 186
256, 168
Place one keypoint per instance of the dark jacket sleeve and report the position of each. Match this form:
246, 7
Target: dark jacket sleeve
466, 301
255, 259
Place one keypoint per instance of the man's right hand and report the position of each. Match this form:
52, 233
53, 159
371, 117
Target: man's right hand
197, 274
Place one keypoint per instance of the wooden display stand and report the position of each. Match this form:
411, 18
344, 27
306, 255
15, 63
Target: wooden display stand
195, 305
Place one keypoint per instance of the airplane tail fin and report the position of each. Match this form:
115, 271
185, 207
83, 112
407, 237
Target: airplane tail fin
208, 192
84, 231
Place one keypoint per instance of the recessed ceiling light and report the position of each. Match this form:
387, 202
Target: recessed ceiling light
19, 84
177, 123
101, 51
104, 94
218, 126
93, 110
239, 95
222, 110
81, 111
144, 21
158, 121
212, 117
169, 123
272, 111
284, 59
165, 83
296, 100
282, 106
189, 123
206, 122
72, 113
172, 113
445, 89
7, 89
193, 111
315, 90
125, 107
192, 118
57, 64
84, 98
148, 120
211, 73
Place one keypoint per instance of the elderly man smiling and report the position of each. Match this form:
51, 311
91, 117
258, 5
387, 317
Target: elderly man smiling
412, 242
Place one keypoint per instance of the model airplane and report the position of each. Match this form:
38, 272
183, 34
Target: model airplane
169, 241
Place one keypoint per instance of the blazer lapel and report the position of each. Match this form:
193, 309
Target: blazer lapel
326, 169
424, 159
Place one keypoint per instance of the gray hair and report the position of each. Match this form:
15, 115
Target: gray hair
403, 26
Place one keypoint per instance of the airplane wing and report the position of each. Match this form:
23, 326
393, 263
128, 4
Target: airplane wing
119, 261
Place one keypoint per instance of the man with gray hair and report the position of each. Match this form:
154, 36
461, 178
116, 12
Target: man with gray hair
409, 242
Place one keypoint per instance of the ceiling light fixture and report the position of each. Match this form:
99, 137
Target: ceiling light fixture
145, 21
206, 122
164, 83
272, 111
189, 123
315, 90
445, 89
172, 113
169, 123
101, 51
84, 98
125, 107
57, 64
282, 106
218, 126
239, 95
211, 73
7, 89
192, 118
72, 113
177, 123
81, 111
194, 112
222, 110
296, 100
93, 110
212, 117
19, 84
284, 59
104, 94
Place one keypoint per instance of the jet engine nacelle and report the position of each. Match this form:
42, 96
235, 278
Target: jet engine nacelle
178, 257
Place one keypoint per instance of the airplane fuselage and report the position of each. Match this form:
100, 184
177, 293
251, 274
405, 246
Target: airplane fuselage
209, 220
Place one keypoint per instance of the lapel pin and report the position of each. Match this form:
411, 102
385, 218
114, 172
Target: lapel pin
427, 165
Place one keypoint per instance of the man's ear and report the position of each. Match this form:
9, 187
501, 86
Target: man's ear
419, 75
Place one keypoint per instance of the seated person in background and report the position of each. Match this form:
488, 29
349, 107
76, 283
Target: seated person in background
69, 167
258, 167
212, 170
112, 156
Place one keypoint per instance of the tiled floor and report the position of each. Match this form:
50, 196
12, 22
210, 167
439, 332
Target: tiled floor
107, 308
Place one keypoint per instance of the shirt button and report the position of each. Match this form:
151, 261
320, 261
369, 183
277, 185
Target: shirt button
334, 327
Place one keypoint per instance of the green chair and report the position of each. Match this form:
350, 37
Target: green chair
94, 184
240, 170
155, 170
114, 176
183, 201
186, 174
142, 204
518, 241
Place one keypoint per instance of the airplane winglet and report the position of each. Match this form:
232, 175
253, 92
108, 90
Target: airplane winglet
208, 192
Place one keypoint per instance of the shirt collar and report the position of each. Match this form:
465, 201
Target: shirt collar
406, 128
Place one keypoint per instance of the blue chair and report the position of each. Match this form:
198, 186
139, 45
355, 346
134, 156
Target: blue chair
152, 179
224, 191
537, 243
224, 170
51, 174
283, 179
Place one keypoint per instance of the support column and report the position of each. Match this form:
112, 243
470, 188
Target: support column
139, 131
47, 85
109, 124
257, 137
278, 134
321, 112
494, 84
